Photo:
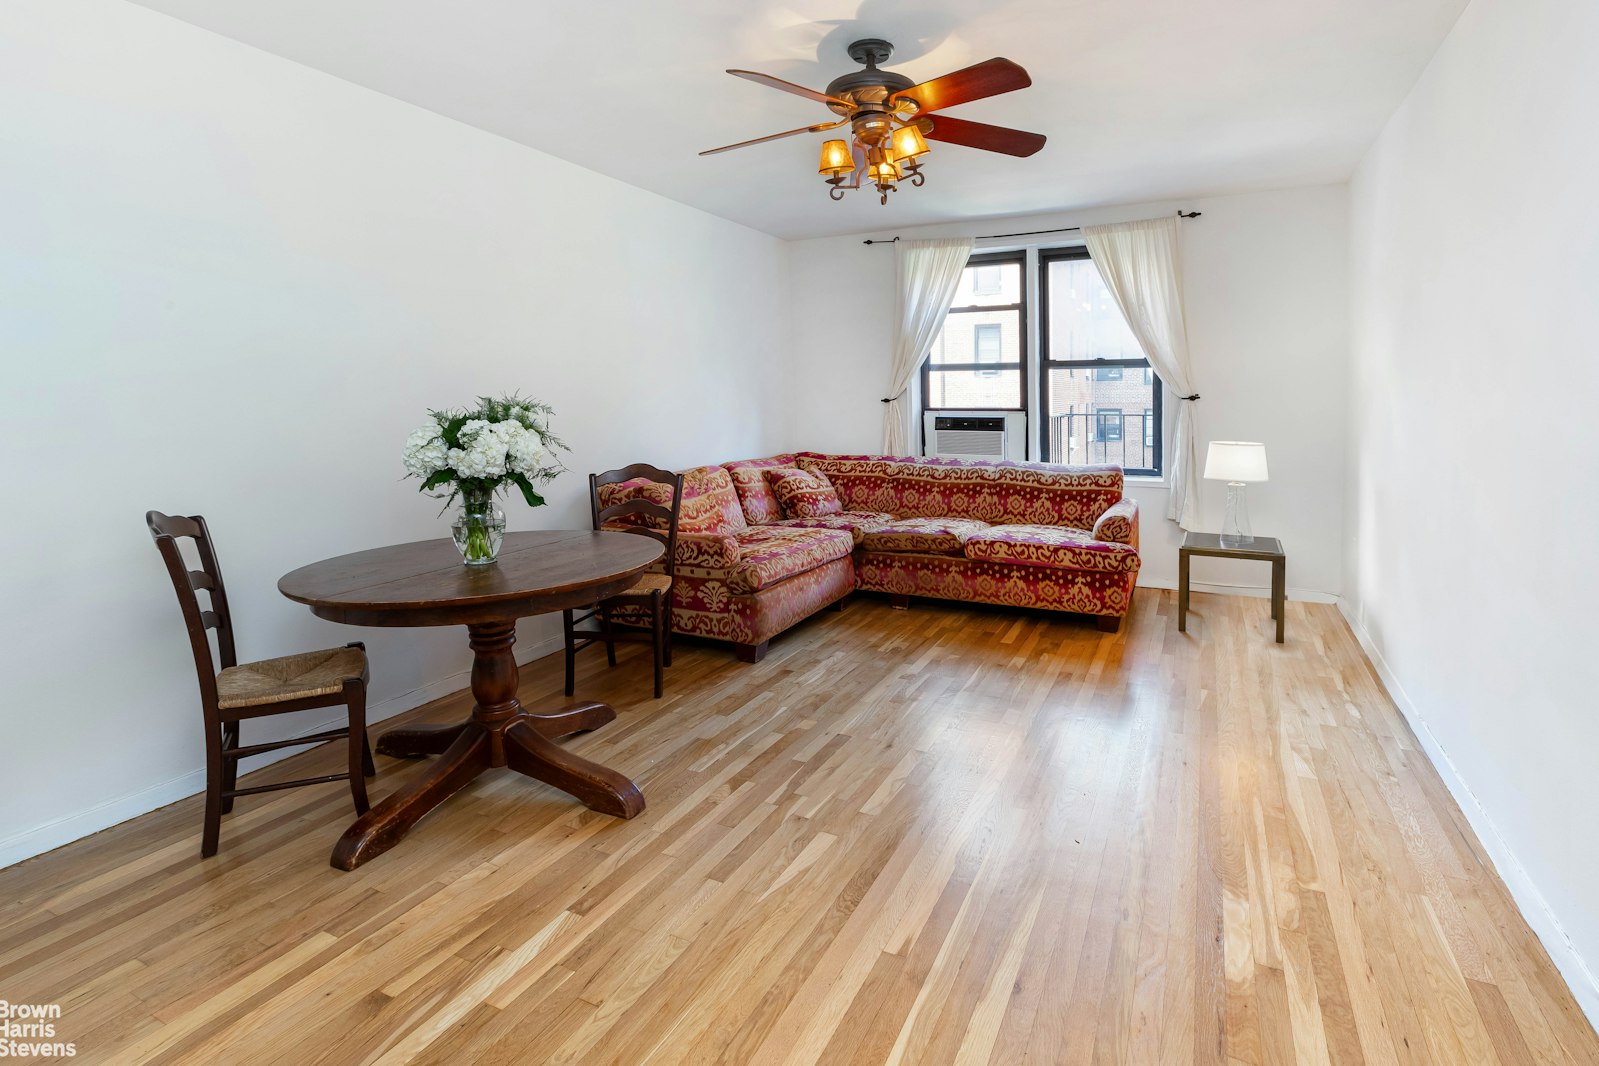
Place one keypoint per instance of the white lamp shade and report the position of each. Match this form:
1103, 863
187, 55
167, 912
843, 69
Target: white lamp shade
1236, 460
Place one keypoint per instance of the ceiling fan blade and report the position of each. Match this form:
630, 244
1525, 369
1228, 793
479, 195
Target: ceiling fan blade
788, 87
980, 135
819, 127
989, 78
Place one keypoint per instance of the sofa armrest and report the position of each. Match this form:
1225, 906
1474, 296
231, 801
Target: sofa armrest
707, 551
1119, 523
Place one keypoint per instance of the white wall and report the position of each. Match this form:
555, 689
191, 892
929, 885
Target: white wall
1475, 259
1265, 278
230, 285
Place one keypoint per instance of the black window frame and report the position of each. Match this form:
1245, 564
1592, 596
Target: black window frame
1020, 365
1046, 256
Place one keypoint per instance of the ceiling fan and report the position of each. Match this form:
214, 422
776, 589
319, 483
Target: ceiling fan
892, 118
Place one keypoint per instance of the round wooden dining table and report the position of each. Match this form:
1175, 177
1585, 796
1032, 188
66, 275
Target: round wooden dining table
426, 584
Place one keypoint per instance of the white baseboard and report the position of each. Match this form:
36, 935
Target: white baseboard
52, 835
1259, 591
1531, 902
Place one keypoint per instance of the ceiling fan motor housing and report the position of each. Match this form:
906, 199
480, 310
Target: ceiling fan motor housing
868, 90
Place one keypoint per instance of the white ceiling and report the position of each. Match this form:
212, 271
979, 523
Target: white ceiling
1140, 99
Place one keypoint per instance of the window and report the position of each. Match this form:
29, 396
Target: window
975, 362
1094, 411
986, 345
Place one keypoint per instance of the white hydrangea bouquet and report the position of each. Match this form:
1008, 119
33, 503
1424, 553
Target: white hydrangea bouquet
475, 452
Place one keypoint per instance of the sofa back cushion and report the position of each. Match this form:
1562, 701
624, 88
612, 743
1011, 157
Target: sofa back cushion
709, 503
804, 493
636, 489
754, 492
997, 493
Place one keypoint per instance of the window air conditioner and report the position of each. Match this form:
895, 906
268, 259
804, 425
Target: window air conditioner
975, 435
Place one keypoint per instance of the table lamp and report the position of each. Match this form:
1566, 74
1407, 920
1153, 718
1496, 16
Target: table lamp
1236, 462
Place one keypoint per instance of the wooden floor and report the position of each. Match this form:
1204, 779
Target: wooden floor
947, 835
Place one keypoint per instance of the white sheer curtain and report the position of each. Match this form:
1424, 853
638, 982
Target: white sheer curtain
928, 274
1141, 263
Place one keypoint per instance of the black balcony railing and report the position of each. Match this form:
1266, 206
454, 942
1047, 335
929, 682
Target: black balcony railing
1125, 438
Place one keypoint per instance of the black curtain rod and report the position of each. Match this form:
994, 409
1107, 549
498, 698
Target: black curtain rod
1034, 232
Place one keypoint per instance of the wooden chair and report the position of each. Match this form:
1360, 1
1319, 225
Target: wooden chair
254, 690
653, 593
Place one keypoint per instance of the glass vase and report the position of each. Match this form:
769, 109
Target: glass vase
479, 529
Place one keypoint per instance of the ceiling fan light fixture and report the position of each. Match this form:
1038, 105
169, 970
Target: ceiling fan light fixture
908, 143
892, 118
837, 159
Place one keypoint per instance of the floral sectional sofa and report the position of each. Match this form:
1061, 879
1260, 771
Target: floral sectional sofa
1062, 538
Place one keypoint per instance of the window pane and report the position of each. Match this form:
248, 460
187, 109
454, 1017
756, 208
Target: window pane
989, 284
1094, 420
1084, 321
1000, 332
974, 388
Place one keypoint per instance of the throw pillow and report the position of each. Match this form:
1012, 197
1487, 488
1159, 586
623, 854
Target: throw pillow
804, 494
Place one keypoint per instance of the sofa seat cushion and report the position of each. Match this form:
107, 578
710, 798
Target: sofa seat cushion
856, 523
768, 554
923, 536
1059, 546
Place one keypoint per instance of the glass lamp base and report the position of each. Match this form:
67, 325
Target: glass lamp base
1235, 531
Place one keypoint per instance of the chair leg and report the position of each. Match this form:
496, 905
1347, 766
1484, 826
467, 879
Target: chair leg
667, 627
658, 641
214, 772
355, 702
230, 767
571, 652
368, 767
610, 641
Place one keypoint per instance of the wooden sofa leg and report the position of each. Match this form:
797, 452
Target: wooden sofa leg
838, 604
1108, 623
751, 653
899, 601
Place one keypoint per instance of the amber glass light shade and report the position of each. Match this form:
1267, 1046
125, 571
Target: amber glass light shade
908, 143
880, 166
836, 159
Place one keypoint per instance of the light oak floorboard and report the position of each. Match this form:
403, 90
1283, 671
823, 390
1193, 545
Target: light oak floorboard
951, 834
